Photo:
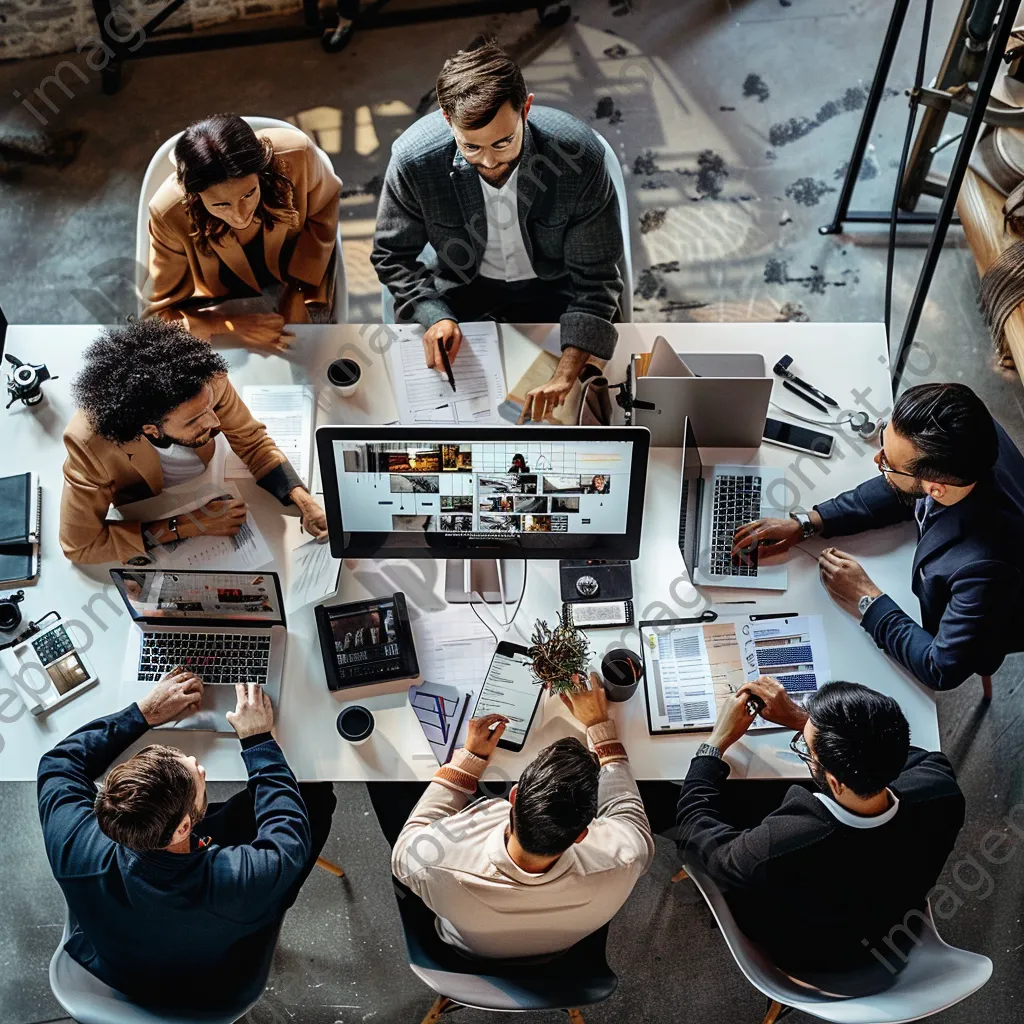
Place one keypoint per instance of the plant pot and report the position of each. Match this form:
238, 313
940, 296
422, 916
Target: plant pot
621, 673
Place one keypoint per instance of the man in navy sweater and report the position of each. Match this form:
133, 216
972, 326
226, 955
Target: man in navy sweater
174, 902
946, 464
832, 885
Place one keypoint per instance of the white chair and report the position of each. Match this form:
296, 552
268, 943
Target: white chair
936, 977
614, 168
162, 165
88, 1000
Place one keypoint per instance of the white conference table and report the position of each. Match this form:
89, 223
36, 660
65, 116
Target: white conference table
839, 358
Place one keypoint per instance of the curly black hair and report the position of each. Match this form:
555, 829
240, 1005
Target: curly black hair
138, 373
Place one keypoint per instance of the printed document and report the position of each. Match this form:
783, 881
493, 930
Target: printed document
286, 410
424, 396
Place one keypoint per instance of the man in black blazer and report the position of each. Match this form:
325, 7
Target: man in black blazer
945, 463
833, 885
174, 902
520, 211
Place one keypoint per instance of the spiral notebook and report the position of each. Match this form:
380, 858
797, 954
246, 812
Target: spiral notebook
20, 514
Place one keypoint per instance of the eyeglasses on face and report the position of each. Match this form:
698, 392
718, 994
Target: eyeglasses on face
883, 462
799, 747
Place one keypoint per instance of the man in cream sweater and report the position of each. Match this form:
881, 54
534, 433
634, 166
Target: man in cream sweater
536, 873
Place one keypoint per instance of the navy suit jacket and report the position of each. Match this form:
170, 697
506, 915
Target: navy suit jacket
162, 927
968, 573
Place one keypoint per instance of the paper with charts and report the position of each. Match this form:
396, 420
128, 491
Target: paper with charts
424, 396
692, 668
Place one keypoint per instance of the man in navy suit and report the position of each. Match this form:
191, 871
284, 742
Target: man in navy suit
945, 463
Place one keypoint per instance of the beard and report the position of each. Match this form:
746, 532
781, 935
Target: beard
818, 775
503, 172
906, 497
196, 442
199, 812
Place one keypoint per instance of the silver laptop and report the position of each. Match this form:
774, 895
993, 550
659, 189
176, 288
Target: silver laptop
228, 627
724, 394
713, 502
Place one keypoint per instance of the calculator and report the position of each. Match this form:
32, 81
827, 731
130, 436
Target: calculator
53, 645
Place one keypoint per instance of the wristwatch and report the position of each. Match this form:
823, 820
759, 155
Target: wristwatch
707, 750
172, 527
865, 603
805, 523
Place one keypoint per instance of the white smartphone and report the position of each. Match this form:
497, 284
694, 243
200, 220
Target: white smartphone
800, 439
510, 689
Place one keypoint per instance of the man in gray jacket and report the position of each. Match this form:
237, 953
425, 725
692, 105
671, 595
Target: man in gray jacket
521, 214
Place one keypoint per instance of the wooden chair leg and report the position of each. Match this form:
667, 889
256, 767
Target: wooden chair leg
441, 1003
774, 1012
329, 867
575, 1017
680, 876
986, 687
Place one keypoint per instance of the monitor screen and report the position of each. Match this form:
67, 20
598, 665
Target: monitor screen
690, 499
171, 596
477, 492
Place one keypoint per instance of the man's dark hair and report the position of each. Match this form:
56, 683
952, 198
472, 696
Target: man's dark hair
862, 736
475, 84
144, 799
557, 798
138, 373
951, 428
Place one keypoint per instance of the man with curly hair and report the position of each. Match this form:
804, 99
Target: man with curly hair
152, 398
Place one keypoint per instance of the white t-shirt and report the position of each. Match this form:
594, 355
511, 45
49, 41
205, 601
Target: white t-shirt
505, 257
179, 464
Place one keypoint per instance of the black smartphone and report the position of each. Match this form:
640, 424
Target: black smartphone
800, 439
510, 689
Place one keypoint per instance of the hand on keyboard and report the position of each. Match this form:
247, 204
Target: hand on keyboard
178, 694
774, 536
253, 712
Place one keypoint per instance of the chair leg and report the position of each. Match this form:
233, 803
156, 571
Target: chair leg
575, 1017
680, 876
441, 1003
986, 687
329, 867
775, 1011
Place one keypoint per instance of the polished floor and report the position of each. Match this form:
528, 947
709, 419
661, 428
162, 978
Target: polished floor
734, 122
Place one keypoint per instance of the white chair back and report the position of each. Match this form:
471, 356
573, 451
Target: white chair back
936, 977
156, 174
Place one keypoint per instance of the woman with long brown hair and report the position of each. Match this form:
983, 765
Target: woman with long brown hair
247, 221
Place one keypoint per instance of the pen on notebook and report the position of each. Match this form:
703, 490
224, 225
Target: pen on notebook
443, 349
807, 398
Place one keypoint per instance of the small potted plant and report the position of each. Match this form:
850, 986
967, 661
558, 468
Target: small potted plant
560, 657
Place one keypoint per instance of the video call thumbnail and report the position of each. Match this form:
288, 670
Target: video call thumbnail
597, 484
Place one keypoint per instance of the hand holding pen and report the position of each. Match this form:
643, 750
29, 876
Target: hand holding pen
441, 344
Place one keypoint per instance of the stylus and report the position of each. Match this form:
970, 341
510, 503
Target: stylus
807, 398
501, 591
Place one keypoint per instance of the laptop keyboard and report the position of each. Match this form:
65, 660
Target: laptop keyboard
217, 658
737, 501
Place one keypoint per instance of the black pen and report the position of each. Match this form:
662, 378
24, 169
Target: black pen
443, 349
807, 398
782, 368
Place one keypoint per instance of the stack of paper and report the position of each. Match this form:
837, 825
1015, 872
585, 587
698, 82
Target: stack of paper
286, 410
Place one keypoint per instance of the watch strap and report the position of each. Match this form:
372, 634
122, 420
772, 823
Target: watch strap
708, 750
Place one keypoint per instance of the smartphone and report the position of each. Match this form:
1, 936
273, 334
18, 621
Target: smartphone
510, 689
800, 439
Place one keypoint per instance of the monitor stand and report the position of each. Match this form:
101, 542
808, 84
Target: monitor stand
464, 577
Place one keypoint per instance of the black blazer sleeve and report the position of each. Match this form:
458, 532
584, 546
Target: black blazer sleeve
867, 507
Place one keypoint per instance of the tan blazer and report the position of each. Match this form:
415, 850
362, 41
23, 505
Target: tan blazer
99, 473
179, 273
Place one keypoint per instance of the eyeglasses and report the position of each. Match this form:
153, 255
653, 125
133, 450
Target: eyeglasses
883, 462
799, 747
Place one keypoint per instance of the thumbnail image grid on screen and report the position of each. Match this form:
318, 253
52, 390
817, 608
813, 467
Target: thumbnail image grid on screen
484, 488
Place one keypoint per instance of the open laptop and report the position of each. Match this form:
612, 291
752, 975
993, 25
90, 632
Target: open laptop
228, 627
713, 502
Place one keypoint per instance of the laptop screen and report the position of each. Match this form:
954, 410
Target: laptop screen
171, 597
690, 499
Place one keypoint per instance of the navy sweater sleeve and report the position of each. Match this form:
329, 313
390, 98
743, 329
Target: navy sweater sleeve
249, 880
867, 507
974, 633
66, 791
734, 859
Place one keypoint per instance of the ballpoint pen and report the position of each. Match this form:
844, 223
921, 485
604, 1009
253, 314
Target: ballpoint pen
783, 370
807, 398
443, 349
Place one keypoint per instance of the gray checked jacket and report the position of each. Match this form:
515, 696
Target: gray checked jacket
568, 213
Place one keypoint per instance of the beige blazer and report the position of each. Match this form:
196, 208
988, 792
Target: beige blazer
179, 273
99, 473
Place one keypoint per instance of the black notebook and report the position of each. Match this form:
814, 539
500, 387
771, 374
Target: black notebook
20, 508
19, 564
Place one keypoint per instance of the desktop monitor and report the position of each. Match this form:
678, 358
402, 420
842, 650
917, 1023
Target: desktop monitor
483, 492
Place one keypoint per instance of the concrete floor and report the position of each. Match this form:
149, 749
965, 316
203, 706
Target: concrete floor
733, 121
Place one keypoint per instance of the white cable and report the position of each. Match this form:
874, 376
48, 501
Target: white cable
807, 419
501, 593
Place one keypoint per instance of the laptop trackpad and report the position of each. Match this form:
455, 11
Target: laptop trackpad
217, 702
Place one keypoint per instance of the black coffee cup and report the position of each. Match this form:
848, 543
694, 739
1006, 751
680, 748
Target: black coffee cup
621, 672
355, 723
345, 375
